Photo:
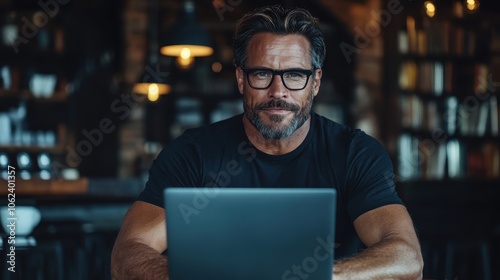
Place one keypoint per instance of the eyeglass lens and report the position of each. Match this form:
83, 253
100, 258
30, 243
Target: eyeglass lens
292, 79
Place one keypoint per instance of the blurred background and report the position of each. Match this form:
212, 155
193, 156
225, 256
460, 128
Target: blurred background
90, 91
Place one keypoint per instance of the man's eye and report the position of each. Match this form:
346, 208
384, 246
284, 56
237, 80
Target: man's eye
294, 75
261, 74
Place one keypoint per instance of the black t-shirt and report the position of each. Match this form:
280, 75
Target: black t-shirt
331, 156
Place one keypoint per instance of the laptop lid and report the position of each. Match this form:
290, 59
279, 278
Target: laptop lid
250, 233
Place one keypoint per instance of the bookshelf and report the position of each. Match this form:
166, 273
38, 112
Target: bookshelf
34, 100
441, 76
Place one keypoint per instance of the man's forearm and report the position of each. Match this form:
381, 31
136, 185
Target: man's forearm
389, 259
134, 260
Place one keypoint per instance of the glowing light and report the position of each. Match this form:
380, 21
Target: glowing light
217, 67
185, 53
153, 92
472, 5
195, 50
430, 8
185, 63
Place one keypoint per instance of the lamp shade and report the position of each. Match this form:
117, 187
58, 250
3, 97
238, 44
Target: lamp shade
187, 38
152, 90
153, 83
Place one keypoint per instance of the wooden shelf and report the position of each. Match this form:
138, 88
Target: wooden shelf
47, 187
58, 96
59, 149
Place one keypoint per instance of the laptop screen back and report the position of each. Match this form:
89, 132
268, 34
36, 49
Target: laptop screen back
250, 233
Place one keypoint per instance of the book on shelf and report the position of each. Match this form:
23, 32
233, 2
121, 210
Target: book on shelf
482, 119
466, 119
481, 83
438, 78
408, 161
427, 159
432, 77
403, 46
491, 151
431, 115
421, 43
435, 161
455, 156
411, 30
437, 33
437, 37
408, 75
471, 117
477, 118
483, 161
417, 111
450, 115
476, 165
425, 76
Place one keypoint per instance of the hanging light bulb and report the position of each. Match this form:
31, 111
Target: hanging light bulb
185, 60
153, 92
472, 5
430, 8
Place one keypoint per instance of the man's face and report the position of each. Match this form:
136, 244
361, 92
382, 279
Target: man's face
277, 111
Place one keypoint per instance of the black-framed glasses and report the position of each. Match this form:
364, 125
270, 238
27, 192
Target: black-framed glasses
262, 78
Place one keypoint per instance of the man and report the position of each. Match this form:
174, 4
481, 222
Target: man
278, 56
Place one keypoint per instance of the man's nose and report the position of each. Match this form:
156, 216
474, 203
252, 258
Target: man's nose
277, 88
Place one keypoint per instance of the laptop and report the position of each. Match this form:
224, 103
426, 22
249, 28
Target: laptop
250, 233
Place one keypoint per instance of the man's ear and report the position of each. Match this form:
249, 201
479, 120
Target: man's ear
240, 79
317, 81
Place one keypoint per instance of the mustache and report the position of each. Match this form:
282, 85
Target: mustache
281, 104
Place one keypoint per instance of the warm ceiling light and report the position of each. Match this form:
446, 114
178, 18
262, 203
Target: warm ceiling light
152, 81
187, 37
185, 53
472, 5
194, 50
430, 8
152, 90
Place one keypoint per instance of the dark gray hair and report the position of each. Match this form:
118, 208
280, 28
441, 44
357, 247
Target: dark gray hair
276, 19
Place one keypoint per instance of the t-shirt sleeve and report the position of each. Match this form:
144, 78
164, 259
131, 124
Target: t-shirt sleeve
370, 176
177, 165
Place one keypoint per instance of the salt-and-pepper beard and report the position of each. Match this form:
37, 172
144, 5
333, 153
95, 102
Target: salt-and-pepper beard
276, 130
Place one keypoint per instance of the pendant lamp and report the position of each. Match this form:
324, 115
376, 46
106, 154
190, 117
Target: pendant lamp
187, 38
152, 82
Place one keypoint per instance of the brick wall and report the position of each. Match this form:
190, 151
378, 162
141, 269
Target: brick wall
135, 23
